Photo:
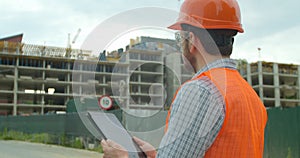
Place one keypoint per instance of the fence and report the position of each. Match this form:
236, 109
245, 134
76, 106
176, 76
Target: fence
67, 124
282, 134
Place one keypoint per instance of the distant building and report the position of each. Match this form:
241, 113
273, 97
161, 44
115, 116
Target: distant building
15, 38
276, 84
38, 79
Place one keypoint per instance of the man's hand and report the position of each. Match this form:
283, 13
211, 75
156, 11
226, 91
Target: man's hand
113, 150
147, 148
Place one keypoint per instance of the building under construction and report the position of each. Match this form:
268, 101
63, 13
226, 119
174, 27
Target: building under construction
37, 79
276, 84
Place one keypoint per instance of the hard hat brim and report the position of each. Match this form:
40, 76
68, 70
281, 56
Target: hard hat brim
177, 26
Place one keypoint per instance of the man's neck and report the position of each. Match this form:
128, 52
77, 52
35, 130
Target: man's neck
202, 62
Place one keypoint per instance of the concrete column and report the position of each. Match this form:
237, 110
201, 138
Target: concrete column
139, 101
174, 75
127, 95
43, 89
80, 77
139, 78
139, 87
16, 87
68, 80
249, 78
276, 85
104, 79
43, 100
260, 80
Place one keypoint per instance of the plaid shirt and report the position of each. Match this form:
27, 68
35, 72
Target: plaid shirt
196, 118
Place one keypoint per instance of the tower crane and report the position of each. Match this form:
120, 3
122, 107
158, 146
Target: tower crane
69, 44
74, 39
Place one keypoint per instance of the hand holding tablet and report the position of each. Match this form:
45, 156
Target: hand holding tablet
110, 128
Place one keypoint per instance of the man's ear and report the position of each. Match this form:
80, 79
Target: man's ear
192, 42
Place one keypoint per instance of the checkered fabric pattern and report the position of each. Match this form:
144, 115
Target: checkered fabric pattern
197, 115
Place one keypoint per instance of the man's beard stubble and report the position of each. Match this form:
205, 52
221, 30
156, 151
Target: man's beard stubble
187, 57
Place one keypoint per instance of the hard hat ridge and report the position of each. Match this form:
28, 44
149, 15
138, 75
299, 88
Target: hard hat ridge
210, 14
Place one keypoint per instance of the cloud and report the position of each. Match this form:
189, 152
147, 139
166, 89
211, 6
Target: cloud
282, 46
19, 6
261, 18
132, 20
271, 25
51, 21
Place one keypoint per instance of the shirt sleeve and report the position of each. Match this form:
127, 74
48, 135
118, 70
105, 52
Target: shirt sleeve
196, 118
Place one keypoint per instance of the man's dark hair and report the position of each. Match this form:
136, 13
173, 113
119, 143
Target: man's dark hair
214, 41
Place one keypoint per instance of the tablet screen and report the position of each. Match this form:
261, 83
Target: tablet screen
111, 128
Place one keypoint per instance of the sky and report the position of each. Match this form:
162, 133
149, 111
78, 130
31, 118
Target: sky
270, 25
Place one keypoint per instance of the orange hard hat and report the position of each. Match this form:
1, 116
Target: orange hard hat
210, 14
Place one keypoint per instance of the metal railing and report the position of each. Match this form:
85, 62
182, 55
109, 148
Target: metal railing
46, 51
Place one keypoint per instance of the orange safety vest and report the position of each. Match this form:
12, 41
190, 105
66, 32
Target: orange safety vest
242, 132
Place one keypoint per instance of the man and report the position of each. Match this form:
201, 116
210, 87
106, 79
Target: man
216, 113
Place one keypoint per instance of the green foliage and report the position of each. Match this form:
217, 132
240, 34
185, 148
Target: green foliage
77, 143
12, 135
40, 138
289, 153
45, 138
63, 140
98, 149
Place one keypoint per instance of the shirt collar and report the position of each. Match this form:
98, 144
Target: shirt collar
220, 63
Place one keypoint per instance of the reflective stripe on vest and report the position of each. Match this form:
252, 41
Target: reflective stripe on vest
242, 132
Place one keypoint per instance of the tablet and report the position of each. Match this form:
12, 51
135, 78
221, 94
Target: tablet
109, 127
